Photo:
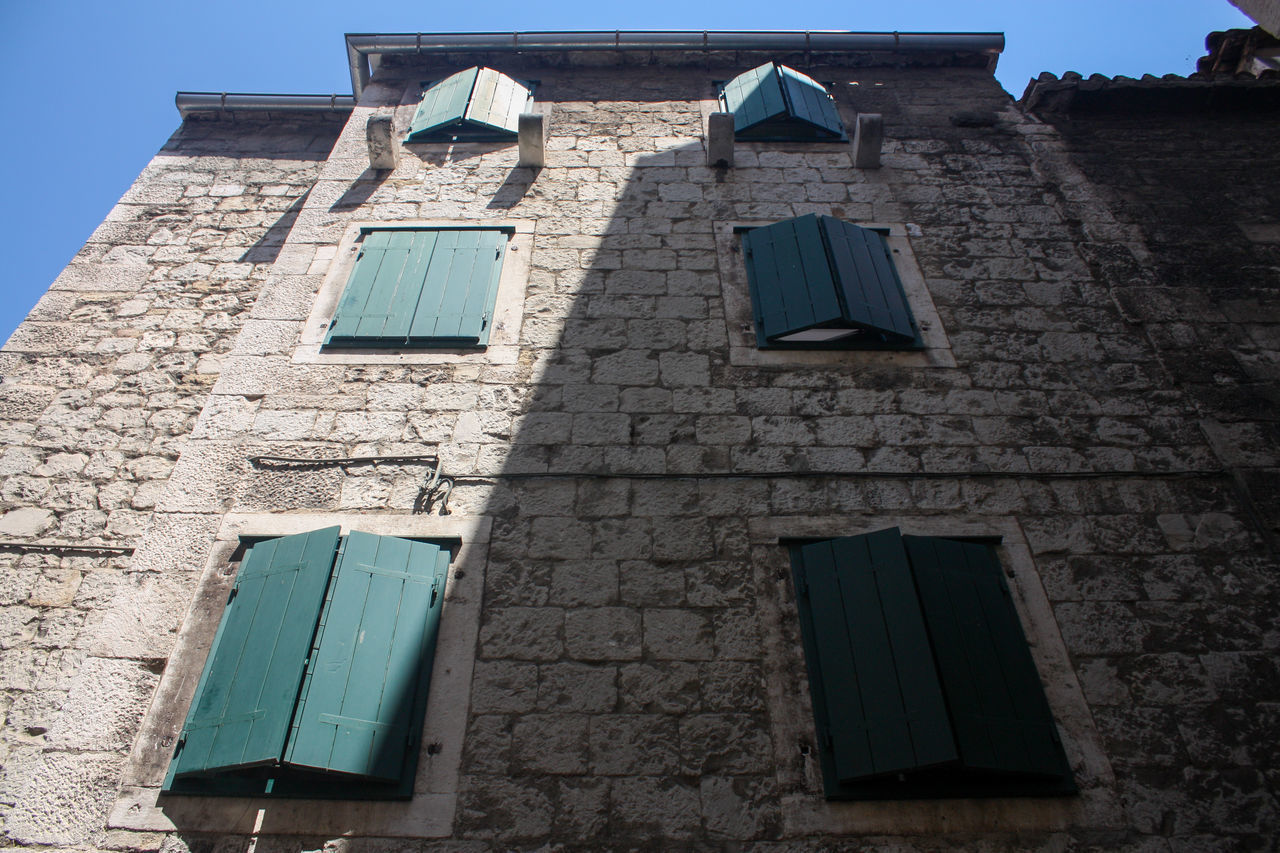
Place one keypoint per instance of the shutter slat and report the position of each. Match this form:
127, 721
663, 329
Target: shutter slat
1001, 719
443, 104
372, 665
244, 702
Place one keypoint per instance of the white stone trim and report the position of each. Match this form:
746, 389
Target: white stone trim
508, 309
740, 325
430, 813
791, 716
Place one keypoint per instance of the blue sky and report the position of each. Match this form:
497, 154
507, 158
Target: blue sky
92, 84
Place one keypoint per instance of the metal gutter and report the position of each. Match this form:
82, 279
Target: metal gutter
360, 46
203, 102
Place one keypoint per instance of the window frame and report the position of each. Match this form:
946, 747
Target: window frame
508, 308
932, 715
140, 806
739, 315
805, 811
832, 262
289, 778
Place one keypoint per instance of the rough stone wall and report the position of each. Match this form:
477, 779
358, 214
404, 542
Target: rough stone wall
637, 648
102, 386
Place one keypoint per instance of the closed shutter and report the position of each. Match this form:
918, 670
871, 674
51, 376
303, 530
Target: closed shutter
880, 696
362, 705
421, 287
443, 105
1001, 719
243, 704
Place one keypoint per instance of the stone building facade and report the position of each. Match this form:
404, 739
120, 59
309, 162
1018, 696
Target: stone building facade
619, 472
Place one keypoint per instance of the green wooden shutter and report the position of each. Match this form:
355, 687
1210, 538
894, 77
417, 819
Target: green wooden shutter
880, 699
443, 105
497, 101
754, 97
421, 287
809, 101
998, 709
790, 279
872, 291
362, 706
456, 299
244, 701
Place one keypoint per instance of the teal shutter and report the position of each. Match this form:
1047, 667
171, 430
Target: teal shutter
872, 291
1001, 718
457, 295
880, 696
790, 278
809, 101
497, 101
244, 701
818, 282
362, 706
421, 287
443, 105
754, 97
774, 102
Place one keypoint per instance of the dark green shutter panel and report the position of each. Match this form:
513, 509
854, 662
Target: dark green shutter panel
816, 281
421, 287
362, 706
809, 101
881, 700
443, 105
873, 295
1000, 716
754, 97
774, 102
790, 278
243, 704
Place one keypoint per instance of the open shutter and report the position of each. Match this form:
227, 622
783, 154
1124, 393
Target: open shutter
362, 706
790, 279
872, 292
243, 704
755, 97
444, 104
497, 101
809, 101
1000, 716
880, 699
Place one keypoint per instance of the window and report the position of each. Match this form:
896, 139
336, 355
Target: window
820, 283
421, 288
774, 103
475, 104
316, 683
921, 678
